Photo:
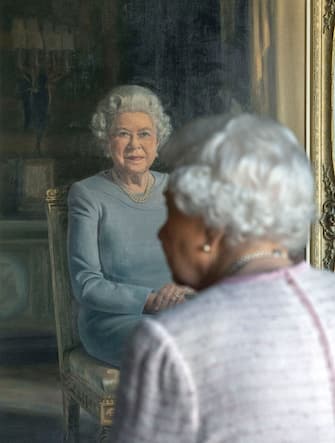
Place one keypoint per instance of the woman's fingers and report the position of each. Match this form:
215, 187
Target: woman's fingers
187, 289
163, 298
169, 295
149, 304
177, 299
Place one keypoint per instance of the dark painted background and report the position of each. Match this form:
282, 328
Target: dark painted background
179, 49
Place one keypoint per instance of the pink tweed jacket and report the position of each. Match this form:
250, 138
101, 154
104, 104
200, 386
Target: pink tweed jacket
251, 360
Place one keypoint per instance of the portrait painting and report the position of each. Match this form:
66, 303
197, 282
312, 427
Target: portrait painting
58, 59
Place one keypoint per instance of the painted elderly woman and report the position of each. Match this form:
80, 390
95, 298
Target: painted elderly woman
117, 266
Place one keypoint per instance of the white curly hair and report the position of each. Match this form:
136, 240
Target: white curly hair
249, 176
129, 98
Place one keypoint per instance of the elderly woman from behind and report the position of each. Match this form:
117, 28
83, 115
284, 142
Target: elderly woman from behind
252, 357
117, 267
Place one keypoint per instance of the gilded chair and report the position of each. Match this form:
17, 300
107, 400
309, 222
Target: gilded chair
86, 382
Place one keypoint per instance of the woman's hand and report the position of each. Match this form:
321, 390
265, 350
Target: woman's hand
169, 295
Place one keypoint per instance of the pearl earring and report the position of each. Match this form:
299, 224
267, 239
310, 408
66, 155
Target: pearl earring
206, 248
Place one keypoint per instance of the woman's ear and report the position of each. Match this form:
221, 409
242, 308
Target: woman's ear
214, 237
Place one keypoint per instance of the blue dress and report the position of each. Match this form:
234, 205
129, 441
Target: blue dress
115, 260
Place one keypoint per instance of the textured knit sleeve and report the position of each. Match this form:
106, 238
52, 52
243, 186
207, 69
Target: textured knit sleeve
89, 285
157, 400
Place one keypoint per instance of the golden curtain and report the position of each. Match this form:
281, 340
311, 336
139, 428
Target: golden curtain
278, 60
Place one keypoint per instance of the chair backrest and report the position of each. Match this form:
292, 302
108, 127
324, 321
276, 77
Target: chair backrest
65, 305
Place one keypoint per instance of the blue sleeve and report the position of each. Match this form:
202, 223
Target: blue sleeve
89, 285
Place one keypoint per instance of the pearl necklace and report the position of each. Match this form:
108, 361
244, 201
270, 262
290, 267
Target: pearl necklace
245, 259
140, 197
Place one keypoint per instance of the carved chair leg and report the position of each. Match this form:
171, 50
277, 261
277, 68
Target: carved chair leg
71, 411
104, 434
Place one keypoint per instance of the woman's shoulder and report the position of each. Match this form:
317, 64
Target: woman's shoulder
160, 177
92, 182
90, 185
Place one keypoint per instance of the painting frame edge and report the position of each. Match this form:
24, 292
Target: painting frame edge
319, 130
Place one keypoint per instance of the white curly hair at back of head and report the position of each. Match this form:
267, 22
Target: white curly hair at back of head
249, 176
129, 98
